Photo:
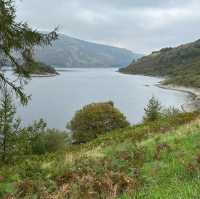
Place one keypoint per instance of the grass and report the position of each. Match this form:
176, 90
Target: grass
146, 161
169, 178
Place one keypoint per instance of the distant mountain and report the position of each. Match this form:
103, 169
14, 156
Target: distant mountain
71, 52
181, 65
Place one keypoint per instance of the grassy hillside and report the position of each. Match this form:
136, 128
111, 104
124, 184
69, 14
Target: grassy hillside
70, 52
152, 161
181, 65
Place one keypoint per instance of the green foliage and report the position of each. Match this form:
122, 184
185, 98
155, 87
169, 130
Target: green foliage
33, 140
153, 110
95, 119
9, 126
49, 142
138, 161
38, 139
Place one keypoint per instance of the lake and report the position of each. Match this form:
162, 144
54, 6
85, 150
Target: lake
56, 99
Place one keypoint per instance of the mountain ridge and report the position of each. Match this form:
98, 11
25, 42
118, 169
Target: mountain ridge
72, 52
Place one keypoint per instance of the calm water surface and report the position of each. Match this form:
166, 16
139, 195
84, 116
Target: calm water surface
55, 99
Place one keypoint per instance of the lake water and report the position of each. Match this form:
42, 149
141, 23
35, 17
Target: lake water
56, 99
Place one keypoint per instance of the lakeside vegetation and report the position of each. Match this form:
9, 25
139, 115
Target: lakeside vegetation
152, 160
180, 65
158, 158
106, 157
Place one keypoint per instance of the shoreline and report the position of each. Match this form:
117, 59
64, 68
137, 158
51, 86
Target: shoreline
35, 74
191, 105
44, 75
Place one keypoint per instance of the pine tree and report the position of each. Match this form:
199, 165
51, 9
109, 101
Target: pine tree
153, 110
19, 38
8, 125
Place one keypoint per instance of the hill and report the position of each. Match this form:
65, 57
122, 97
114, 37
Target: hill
71, 52
147, 161
181, 65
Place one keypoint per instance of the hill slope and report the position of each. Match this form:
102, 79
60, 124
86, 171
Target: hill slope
147, 161
180, 64
71, 52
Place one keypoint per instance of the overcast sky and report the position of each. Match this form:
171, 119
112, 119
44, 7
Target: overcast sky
139, 25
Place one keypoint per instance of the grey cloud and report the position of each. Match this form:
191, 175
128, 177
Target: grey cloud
139, 25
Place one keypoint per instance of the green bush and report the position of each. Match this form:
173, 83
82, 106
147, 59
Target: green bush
49, 141
55, 140
38, 139
95, 119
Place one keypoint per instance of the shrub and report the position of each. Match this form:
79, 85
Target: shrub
49, 141
38, 139
95, 119
153, 110
171, 112
55, 140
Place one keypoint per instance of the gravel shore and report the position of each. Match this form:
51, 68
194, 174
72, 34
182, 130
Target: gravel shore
194, 103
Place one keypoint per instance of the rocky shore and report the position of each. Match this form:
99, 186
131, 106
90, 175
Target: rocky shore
193, 103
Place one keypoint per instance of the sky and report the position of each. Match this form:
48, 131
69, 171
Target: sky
139, 25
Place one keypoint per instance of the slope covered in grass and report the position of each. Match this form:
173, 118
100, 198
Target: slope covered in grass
153, 160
